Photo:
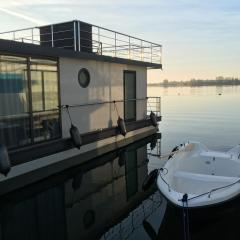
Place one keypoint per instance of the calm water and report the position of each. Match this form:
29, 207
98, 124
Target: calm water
200, 114
103, 199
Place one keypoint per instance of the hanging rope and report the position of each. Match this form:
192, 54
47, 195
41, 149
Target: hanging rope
170, 153
166, 172
115, 107
70, 119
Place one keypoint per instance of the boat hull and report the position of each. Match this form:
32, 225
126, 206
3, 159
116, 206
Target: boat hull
219, 221
199, 178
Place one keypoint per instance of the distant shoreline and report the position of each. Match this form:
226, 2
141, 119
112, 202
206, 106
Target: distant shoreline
197, 83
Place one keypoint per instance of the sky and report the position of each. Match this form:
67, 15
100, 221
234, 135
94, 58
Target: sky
200, 38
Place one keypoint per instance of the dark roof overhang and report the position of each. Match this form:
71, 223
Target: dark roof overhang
26, 49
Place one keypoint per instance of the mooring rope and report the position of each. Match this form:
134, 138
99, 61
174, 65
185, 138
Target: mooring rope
171, 153
115, 107
185, 217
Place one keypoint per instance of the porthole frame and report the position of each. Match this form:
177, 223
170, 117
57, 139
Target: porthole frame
85, 71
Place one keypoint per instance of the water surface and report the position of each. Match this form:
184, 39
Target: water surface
207, 114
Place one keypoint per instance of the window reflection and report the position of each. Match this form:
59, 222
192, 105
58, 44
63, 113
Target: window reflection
14, 110
20, 109
44, 82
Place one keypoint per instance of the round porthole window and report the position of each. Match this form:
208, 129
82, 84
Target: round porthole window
83, 77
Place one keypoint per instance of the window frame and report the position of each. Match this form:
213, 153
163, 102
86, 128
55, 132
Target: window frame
30, 100
84, 70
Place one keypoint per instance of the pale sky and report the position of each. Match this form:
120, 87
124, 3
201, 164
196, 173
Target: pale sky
200, 38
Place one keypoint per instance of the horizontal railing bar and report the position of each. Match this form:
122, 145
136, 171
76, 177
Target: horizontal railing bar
133, 48
123, 34
104, 102
18, 30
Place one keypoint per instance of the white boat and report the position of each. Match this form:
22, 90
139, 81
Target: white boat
195, 176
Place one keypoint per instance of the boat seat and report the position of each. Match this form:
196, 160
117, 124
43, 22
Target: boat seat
186, 182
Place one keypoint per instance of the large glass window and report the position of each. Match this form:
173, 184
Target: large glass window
44, 84
14, 104
28, 100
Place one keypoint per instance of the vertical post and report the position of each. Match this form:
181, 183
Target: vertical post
32, 35
13, 36
160, 54
159, 106
74, 31
115, 44
151, 52
52, 35
79, 43
99, 43
129, 50
30, 107
141, 51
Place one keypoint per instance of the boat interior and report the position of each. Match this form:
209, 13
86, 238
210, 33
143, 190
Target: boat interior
200, 174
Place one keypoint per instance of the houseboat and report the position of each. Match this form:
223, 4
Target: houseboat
70, 92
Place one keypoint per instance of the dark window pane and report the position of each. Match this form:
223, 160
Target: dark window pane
46, 125
14, 116
44, 79
15, 105
37, 90
129, 95
51, 90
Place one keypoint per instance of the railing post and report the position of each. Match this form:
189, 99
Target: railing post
79, 43
160, 54
74, 35
129, 50
99, 42
159, 106
32, 35
13, 36
98, 34
141, 51
52, 35
151, 52
115, 44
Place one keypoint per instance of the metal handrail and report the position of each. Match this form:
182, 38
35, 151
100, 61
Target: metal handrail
151, 108
105, 38
103, 102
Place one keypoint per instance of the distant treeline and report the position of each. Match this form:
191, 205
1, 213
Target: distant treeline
198, 82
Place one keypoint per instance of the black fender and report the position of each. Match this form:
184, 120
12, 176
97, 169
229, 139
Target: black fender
153, 119
150, 180
121, 126
75, 136
5, 165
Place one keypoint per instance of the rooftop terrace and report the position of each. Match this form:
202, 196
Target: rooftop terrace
83, 37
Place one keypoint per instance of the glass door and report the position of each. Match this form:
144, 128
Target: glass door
129, 95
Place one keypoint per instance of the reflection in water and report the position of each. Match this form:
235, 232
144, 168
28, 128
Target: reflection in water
81, 203
137, 223
103, 199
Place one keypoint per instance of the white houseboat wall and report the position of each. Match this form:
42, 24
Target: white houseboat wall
74, 73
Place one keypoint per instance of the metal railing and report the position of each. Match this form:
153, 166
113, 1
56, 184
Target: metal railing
99, 40
154, 105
